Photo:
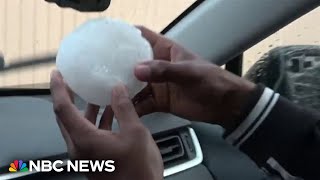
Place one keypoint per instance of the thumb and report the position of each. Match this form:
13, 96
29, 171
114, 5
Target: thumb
123, 108
158, 71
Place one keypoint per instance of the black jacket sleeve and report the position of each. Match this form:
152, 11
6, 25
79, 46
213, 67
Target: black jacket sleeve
288, 134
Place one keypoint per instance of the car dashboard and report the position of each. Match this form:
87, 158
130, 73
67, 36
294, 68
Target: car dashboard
190, 150
29, 132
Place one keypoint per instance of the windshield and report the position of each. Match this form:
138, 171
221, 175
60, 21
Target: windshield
31, 31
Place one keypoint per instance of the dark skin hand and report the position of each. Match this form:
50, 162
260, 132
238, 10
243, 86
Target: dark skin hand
132, 148
182, 83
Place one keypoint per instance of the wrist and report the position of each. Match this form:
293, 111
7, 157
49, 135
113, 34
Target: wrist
239, 101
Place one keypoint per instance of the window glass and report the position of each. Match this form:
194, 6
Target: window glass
31, 30
303, 31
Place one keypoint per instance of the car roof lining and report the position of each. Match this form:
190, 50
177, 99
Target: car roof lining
219, 30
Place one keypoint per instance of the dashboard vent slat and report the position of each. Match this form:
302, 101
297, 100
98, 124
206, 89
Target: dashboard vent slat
171, 149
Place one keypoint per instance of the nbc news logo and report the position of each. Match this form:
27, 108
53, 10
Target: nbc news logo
62, 166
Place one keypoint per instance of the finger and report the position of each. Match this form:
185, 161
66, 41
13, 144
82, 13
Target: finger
123, 108
179, 53
71, 94
165, 48
153, 37
160, 44
144, 93
65, 134
65, 111
92, 113
107, 119
63, 130
146, 106
158, 71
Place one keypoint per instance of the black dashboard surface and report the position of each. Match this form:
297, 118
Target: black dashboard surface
28, 130
199, 172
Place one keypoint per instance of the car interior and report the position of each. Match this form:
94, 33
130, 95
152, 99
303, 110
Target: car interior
218, 30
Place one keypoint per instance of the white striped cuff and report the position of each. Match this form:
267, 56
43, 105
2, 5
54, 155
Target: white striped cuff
258, 114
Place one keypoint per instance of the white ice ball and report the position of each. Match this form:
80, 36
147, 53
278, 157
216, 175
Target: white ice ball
100, 54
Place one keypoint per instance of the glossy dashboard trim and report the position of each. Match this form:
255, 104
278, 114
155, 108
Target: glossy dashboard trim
192, 163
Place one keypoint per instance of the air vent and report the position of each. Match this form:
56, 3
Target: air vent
171, 149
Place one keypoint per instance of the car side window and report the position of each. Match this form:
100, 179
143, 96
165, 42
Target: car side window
31, 31
303, 31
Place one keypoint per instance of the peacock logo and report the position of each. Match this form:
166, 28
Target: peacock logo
18, 166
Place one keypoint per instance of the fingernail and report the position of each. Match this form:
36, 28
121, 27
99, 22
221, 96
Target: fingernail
142, 72
121, 90
55, 77
53, 73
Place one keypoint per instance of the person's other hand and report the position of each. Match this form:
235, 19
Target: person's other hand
180, 82
133, 149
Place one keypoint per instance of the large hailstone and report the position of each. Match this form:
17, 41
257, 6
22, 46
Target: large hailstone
100, 54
